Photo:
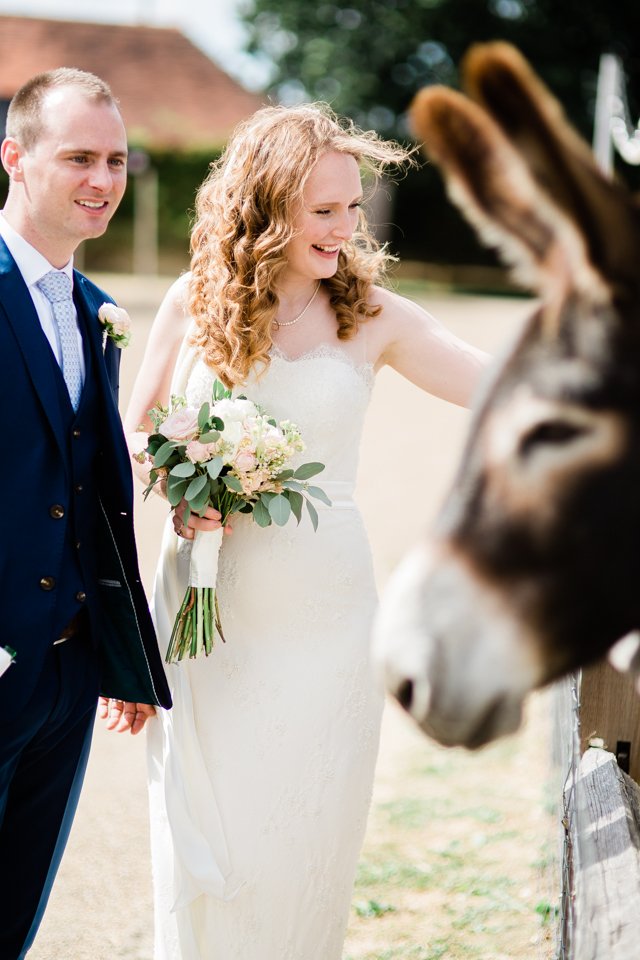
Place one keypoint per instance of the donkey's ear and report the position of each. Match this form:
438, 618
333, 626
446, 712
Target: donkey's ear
501, 80
493, 186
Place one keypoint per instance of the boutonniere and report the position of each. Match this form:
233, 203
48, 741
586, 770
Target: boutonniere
116, 323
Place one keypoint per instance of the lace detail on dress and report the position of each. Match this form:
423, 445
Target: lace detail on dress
325, 351
316, 390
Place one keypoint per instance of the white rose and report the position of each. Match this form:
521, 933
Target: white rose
117, 317
117, 323
231, 410
232, 435
272, 440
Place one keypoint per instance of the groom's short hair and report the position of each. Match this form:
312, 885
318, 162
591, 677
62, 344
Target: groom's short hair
24, 116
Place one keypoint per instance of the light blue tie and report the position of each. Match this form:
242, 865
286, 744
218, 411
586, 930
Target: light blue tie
56, 287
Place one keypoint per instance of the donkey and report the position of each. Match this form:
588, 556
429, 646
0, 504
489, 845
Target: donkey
533, 566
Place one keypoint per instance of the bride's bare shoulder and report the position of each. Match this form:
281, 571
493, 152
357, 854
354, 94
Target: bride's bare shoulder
178, 293
397, 318
172, 318
394, 305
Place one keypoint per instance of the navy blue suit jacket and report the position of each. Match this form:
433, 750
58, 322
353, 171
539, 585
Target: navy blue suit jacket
33, 476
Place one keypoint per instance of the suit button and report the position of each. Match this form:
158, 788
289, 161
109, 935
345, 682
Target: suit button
47, 583
56, 511
81, 597
76, 433
79, 488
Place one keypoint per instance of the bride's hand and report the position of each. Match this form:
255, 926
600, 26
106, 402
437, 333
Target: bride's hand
210, 521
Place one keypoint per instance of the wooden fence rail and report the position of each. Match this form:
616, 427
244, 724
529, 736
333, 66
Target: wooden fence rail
597, 734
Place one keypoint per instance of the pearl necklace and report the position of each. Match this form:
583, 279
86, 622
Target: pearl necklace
290, 323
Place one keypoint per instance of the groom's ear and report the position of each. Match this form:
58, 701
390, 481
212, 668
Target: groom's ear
11, 154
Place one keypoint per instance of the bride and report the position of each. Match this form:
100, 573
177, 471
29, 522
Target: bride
261, 775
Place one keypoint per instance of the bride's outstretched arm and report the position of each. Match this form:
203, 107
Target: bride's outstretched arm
424, 351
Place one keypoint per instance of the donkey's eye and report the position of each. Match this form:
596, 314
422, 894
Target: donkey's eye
550, 432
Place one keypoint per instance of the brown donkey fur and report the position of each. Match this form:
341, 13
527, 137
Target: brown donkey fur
533, 568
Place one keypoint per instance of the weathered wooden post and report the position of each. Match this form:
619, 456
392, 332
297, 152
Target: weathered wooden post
145, 213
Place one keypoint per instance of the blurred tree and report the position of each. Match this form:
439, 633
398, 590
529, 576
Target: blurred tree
368, 57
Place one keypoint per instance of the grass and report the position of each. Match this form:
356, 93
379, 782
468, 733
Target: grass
459, 857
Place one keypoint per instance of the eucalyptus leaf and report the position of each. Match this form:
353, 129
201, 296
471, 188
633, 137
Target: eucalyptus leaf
284, 475
163, 453
279, 509
313, 513
308, 470
214, 467
293, 485
176, 489
184, 469
296, 501
210, 437
232, 483
267, 498
261, 515
203, 416
200, 501
220, 392
319, 494
196, 486
154, 442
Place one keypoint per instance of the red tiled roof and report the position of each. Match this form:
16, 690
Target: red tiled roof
171, 94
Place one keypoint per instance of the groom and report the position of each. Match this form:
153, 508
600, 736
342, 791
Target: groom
73, 607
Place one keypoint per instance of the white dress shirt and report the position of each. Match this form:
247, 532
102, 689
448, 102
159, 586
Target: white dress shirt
33, 266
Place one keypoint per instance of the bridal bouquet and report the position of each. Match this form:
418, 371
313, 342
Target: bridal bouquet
233, 456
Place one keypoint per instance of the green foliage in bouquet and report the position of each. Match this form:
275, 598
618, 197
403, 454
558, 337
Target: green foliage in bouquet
232, 456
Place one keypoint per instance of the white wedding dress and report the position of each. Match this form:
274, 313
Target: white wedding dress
261, 775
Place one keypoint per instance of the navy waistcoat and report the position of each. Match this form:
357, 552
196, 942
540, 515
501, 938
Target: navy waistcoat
75, 585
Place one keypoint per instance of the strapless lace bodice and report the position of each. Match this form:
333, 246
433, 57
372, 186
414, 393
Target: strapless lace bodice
322, 391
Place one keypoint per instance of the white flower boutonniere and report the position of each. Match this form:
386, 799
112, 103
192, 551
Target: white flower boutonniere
116, 323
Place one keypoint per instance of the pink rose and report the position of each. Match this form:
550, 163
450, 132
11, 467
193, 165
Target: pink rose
245, 461
180, 425
199, 452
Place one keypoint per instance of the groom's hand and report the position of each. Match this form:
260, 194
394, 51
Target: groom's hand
123, 716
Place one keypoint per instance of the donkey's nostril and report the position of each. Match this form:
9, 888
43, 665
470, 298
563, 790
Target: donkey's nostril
404, 694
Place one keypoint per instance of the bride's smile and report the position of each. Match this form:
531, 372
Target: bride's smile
327, 218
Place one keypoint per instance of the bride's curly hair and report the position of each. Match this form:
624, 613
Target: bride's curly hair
245, 211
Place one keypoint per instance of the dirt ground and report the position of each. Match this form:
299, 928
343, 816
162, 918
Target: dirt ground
101, 905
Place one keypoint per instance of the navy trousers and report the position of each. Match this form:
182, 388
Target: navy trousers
43, 758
